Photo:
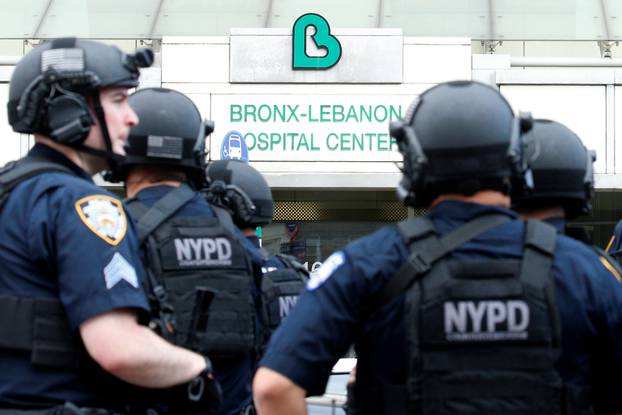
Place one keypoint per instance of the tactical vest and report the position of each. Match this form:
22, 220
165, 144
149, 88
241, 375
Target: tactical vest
36, 325
483, 335
201, 273
280, 289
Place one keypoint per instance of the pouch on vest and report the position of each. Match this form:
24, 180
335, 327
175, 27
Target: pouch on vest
280, 289
191, 255
36, 325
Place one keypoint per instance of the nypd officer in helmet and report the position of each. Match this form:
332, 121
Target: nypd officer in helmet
241, 189
563, 189
463, 310
563, 174
200, 274
71, 299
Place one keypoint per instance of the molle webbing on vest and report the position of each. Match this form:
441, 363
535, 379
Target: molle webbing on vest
38, 326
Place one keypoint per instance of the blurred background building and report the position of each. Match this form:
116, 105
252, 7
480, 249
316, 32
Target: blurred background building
320, 135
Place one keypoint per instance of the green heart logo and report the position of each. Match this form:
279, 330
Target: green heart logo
322, 39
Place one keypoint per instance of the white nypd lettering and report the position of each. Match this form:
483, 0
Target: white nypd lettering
286, 303
203, 251
486, 320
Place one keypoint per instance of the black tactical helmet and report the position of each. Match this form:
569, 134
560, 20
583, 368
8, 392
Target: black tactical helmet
49, 87
562, 171
459, 137
241, 188
171, 132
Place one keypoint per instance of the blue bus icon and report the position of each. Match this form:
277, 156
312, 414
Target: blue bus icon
234, 147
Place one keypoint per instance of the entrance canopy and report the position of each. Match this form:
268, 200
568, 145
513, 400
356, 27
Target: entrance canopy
153, 19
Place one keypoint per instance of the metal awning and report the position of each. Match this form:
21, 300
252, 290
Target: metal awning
151, 19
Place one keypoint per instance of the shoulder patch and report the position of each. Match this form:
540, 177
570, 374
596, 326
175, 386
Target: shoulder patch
104, 216
323, 273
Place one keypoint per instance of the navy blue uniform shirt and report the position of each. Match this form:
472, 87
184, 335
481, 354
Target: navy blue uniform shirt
328, 317
603, 388
62, 237
614, 247
234, 375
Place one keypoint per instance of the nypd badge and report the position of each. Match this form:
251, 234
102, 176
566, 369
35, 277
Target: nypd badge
104, 216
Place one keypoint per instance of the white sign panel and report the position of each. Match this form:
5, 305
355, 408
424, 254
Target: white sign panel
368, 56
340, 128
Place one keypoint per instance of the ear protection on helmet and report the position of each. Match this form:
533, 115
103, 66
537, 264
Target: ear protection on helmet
233, 198
242, 205
69, 119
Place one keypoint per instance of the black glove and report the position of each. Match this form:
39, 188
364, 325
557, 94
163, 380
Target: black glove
202, 394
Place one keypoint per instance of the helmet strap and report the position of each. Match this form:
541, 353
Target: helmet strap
112, 158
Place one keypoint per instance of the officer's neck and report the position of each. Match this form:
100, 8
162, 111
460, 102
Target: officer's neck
133, 188
90, 164
483, 197
142, 177
554, 212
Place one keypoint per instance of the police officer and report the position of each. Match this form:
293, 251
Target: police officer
70, 287
240, 188
563, 189
200, 277
614, 246
463, 310
563, 176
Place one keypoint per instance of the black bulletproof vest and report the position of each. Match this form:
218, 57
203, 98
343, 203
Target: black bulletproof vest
38, 326
483, 335
280, 290
201, 273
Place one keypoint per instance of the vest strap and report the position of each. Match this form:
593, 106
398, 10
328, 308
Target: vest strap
420, 261
162, 210
15, 172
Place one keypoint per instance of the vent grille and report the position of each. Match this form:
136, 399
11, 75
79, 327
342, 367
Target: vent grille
311, 211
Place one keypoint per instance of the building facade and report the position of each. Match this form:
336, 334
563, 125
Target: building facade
309, 106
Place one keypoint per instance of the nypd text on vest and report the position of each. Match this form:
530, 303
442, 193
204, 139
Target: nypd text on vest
486, 320
286, 303
192, 252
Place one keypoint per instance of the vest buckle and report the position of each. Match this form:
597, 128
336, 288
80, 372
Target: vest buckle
419, 263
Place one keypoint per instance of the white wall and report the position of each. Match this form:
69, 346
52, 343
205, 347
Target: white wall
11, 145
584, 99
580, 107
588, 100
202, 68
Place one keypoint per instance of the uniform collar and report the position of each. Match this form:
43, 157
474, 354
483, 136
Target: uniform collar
465, 211
41, 151
154, 192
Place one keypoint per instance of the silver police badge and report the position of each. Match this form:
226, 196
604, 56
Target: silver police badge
104, 216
